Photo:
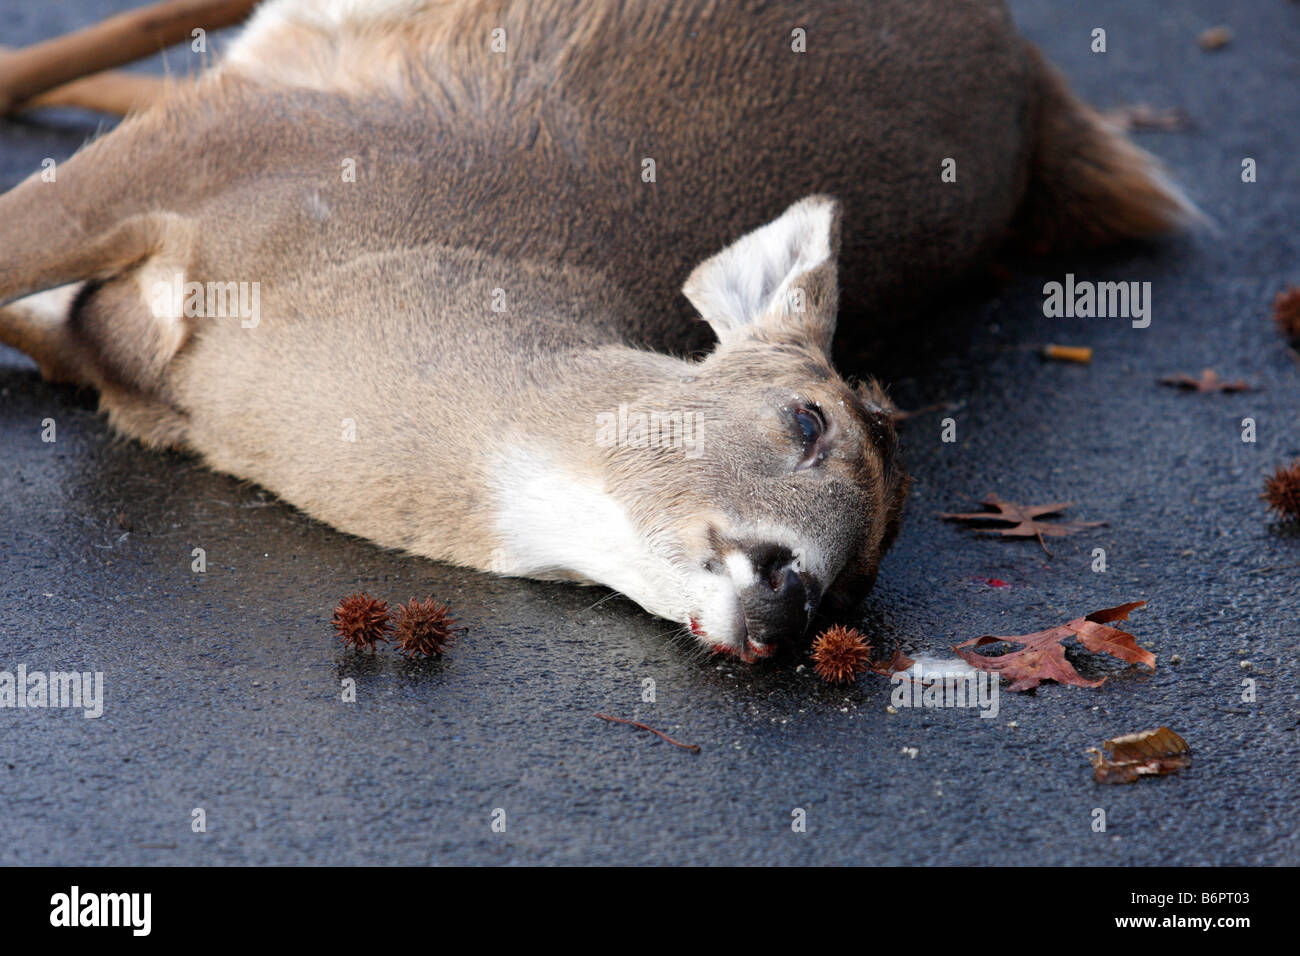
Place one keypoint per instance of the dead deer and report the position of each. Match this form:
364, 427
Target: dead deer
466, 224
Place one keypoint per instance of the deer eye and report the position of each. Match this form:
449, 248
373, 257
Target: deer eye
811, 426
810, 423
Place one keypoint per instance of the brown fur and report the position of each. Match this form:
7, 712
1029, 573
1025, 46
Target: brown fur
1089, 186
478, 170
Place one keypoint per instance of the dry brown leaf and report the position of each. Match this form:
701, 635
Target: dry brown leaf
1208, 382
1023, 519
1043, 656
899, 662
1148, 753
1286, 312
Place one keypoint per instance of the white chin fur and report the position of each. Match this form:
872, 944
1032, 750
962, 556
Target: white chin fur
550, 521
718, 619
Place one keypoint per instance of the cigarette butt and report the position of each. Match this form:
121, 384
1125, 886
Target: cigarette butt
1068, 353
1215, 38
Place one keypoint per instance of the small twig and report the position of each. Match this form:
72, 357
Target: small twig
693, 748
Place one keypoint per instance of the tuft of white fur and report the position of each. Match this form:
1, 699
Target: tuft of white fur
557, 524
330, 16
553, 523
52, 306
161, 285
741, 569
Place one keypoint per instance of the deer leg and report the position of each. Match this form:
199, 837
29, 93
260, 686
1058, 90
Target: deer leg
101, 216
120, 39
107, 332
43, 326
122, 217
109, 92
37, 326
78, 255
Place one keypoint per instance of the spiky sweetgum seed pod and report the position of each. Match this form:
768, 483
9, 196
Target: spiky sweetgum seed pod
1282, 490
362, 621
840, 654
425, 628
1286, 312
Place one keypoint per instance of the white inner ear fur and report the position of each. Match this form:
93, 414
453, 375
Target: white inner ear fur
745, 281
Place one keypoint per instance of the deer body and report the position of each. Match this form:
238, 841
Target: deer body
468, 253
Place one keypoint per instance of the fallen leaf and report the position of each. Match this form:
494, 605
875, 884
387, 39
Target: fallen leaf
1286, 312
1215, 38
1024, 519
899, 662
1042, 656
1144, 116
1208, 382
1149, 753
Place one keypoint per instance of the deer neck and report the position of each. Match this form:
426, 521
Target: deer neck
557, 511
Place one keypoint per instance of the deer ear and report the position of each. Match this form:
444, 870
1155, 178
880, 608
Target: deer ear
777, 283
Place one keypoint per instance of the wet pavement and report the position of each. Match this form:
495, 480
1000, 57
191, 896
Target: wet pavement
223, 688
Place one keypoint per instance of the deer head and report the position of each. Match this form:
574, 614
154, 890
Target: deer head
739, 493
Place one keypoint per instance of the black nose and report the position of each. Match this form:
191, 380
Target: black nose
780, 602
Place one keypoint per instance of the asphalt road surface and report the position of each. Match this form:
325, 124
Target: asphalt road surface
223, 689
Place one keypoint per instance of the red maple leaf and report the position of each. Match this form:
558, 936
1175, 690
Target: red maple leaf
1043, 656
